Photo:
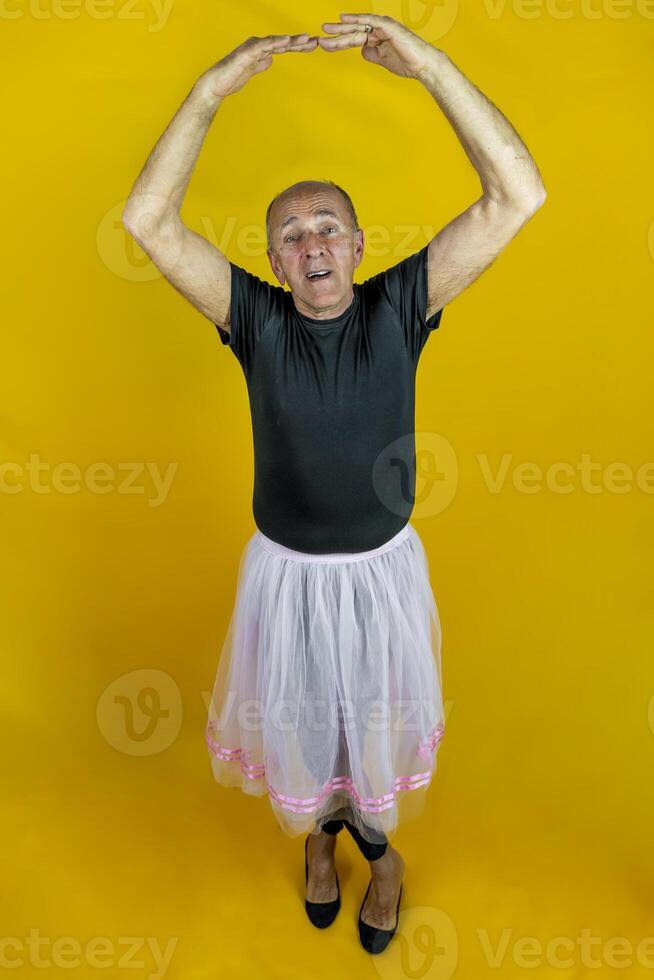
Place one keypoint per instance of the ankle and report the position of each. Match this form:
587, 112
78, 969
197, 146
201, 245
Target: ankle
388, 866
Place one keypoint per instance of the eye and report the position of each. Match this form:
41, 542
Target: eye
292, 237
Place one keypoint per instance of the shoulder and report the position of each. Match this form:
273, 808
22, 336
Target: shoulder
404, 271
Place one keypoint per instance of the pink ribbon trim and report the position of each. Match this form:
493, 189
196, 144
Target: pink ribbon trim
308, 805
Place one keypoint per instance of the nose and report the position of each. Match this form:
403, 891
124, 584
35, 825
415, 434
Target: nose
314, 244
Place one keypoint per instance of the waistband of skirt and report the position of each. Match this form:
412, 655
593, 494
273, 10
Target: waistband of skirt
334, 557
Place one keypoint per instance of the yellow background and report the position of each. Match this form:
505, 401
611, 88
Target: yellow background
538, 822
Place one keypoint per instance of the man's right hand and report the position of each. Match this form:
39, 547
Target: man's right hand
250, 58
191, 263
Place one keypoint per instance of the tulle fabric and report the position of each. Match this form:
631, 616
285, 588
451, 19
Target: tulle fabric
328, 691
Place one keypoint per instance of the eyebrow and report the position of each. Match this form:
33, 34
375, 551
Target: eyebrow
323, 213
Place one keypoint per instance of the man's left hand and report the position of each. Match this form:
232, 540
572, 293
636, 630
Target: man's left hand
389, 43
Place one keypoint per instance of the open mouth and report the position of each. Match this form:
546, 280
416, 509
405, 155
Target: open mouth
319, 275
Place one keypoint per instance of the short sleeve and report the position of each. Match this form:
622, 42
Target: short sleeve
405, 288
255, 305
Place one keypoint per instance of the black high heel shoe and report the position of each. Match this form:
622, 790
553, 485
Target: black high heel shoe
321, 914
372, 939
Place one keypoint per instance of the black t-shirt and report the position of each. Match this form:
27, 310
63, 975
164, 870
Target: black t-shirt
332, 404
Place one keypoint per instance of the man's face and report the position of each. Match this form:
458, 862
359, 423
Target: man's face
311, 231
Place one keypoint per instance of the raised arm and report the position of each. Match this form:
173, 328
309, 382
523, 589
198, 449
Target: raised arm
512, 187
511, 184
195, 267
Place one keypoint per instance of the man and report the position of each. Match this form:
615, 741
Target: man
333, 596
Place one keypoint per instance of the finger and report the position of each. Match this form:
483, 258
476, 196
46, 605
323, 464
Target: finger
333, 28
303, 46
350, 40
280, 40
287, 42
297, 39
297, 46
384, 25
373, 19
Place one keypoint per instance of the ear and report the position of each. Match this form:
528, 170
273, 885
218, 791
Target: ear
276, 267
358, 248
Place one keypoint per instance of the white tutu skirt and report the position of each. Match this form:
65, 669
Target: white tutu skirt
328, 689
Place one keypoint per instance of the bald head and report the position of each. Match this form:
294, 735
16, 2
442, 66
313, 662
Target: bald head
300, 191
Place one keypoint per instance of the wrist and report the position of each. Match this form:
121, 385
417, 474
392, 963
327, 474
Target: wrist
433, 65
205, 96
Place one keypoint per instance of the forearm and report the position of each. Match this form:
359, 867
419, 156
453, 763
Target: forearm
159, 189
506, 169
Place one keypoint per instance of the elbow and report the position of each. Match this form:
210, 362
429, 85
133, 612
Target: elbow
525, 202
143, 226
539, 197
147, 224
134, 222
532, 201
128, 220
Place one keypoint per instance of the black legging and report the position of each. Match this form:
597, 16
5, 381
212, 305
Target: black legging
371, 852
